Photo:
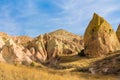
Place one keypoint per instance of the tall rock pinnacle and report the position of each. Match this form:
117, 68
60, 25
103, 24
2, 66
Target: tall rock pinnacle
100, 38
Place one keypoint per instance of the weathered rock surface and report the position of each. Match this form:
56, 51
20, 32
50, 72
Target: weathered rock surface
37, 48
42, 49
15, 54
49, 46
100, 38
1, 42
70, 43
108, 65
118, 32
23, 40
4, 35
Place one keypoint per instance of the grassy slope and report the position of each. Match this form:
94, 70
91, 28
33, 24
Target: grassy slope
11, 72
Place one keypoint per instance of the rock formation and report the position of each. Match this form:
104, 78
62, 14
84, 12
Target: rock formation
70, 43
37, 48
118, 32
22, 39
42, 49
15, 54
4, 35
50, 45
99, 38
108, 65
1, 42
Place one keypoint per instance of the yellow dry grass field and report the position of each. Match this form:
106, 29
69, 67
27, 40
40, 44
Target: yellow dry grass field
40, 72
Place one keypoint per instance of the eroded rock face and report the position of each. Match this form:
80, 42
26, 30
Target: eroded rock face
108, 65
53, 48
37, 48
68, 43
14, 54
118, 32
100, 38
23, 40
1, 42
42, 49
47, 47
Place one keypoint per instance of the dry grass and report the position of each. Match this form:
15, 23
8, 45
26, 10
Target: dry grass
10, 72
39, 72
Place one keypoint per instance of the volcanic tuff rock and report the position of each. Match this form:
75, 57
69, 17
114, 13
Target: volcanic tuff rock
100, 38
108, 65
22, 39
118, 32
14, 54
37, 48
42, 49
1, 42
70, 43
48, 47
4, 35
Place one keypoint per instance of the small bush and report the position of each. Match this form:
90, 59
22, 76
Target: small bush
32, 64
81, 54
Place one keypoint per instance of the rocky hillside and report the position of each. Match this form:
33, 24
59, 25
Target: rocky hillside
107, 65
49, 46
100, 38
42, 49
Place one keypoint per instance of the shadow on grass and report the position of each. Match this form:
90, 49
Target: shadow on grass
70, 58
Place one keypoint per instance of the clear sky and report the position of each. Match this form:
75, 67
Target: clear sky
34, 17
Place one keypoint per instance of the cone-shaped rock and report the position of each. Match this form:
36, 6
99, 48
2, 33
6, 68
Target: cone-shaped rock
118, 32
100, 38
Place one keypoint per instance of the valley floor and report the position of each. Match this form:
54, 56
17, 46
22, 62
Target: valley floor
68, 70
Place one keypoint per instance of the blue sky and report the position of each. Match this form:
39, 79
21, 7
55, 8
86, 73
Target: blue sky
34, 17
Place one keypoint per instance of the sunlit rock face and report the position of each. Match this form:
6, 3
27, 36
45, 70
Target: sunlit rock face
42, 49
100, 38
37, 48
15, 54
118, 32
49, 46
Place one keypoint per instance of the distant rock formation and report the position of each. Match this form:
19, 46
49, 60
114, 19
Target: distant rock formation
4, 35
22, 39
50, 45
100, 38
118, 32
42, 49
70, 43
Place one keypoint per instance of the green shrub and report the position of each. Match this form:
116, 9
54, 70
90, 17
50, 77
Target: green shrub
81, 54
32, 64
